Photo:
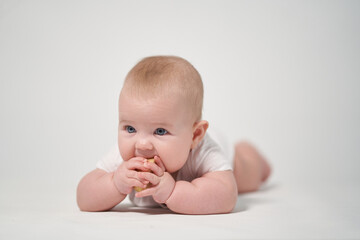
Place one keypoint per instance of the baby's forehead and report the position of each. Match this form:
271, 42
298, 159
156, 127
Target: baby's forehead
151, 91
153, 97
162, 99
156, 108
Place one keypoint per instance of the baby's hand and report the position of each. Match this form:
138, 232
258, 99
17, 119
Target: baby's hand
126, 176
162, 183
152, 167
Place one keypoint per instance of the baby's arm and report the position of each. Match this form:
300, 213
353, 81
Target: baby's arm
215, 192
100, 190
97, 192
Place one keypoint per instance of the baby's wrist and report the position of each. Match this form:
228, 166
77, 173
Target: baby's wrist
165, 189
171, 188
115, 184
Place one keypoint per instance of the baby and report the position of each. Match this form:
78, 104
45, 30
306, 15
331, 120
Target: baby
160, 118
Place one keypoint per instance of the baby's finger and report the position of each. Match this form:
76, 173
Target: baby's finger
146, 192
136, 164
136, 183
135, 175
159, 163
152, 178
154, 168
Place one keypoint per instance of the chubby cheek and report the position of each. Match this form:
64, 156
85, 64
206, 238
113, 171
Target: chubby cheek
175, 157
125, 149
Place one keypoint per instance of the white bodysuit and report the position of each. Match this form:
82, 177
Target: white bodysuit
208, 156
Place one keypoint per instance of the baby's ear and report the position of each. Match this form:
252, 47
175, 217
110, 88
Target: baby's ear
199, 131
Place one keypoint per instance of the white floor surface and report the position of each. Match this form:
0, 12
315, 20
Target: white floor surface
277, 211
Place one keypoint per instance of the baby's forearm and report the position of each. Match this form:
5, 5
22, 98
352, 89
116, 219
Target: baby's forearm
204, 196
97, 192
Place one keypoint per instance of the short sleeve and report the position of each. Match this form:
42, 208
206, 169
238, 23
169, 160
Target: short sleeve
110, 161
210, 157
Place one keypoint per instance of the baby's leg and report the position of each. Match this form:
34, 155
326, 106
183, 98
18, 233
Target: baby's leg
250, 168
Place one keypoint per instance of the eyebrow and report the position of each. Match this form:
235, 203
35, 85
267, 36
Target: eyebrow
167, 125
162, 124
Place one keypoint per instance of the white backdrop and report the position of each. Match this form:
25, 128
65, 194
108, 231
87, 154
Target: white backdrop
282, 74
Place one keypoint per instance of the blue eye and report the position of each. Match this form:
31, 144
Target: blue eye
160, 131
130, 129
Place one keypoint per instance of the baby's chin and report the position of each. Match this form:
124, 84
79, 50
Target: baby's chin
172, 169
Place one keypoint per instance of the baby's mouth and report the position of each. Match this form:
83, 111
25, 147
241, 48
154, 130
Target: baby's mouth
147, 157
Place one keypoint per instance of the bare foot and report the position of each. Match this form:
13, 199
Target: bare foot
250, 168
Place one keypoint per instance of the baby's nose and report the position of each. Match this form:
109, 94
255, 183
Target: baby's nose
144, 144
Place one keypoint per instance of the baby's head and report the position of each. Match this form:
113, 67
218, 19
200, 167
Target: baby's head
160, 108
166, 77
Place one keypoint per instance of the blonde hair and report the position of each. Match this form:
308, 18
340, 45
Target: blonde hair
166, 76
